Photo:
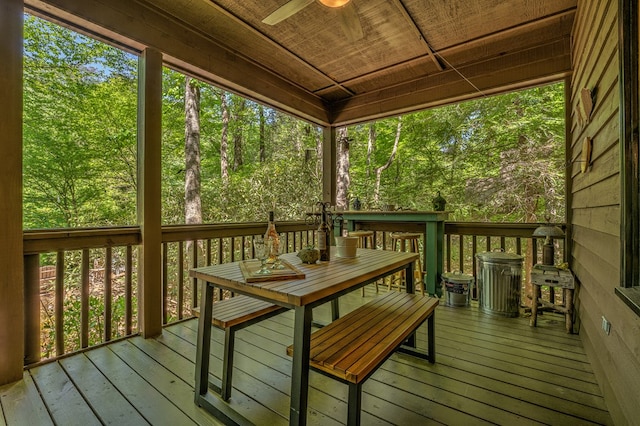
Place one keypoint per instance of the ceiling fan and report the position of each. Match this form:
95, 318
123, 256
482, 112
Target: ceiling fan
348, 15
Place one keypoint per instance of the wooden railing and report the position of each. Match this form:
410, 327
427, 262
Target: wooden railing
81, 285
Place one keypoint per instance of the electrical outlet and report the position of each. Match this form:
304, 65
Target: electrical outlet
606, 325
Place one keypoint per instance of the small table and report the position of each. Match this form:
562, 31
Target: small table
547, 275
431, 224
323, 282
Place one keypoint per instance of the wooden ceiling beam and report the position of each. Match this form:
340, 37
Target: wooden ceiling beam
467, 49
542, 64
414, 27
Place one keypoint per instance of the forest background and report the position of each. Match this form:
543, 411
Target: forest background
498, 158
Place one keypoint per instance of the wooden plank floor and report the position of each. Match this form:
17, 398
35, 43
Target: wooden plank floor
489, 370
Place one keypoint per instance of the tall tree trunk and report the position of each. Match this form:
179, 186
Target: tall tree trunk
379, 170
343, 177
224, 142
371, 146
263, 154
238, 120
192, 201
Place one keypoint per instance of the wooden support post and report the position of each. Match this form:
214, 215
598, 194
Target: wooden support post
12, 331
149, 192
32, 308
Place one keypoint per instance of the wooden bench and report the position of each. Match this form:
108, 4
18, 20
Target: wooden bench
231, 315
351, 348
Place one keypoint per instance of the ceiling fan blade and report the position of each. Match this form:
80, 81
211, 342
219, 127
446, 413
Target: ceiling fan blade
350, 22
286, 10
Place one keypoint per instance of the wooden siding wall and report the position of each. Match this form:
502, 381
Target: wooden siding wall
595, 212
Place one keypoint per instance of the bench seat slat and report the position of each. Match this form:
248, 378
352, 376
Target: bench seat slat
356, 323
359, 364
355, 345
374, 319
238, 310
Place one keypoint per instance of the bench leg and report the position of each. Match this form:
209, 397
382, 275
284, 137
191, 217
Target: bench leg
227, 363
354, 405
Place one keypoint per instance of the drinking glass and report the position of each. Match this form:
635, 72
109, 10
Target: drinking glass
262, 253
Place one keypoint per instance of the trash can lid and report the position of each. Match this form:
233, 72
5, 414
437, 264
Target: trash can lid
457, 277
499, 256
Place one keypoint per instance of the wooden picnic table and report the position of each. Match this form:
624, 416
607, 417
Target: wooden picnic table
324, 282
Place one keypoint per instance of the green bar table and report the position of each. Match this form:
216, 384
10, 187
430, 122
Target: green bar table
430, 223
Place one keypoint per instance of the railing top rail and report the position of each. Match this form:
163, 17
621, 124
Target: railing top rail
496, 229
172, 233
52, 240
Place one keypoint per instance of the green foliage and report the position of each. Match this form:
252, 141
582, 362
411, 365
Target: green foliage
79, 130
498, 158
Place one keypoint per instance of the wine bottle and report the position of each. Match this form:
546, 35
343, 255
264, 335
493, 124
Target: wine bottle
272, 240
324, 239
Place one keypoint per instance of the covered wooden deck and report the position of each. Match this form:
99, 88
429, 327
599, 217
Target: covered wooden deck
488, 370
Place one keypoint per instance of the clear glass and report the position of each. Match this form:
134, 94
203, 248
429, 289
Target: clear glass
262, 249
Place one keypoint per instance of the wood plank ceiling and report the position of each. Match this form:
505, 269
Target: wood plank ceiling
413, 54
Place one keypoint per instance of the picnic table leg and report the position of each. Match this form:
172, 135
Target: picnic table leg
300, 368
411, 288
203, 343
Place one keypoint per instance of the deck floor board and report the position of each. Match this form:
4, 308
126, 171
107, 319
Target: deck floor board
489, 370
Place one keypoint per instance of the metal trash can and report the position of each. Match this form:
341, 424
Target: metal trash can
499, 278
457, 288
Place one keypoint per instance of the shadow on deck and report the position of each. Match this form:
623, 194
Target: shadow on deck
488, 370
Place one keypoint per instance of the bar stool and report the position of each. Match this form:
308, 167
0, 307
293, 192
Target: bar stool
365, 240
408, 241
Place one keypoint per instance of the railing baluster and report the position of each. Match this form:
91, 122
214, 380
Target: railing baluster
218, 290
194, 281
461, 250
519, 245
234, 245
244, 248
84, 300
59, 303
448, 254
180, 278
208, 252
474, 265
488, 243
128, 291
107, 294
503, 243
165, 282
